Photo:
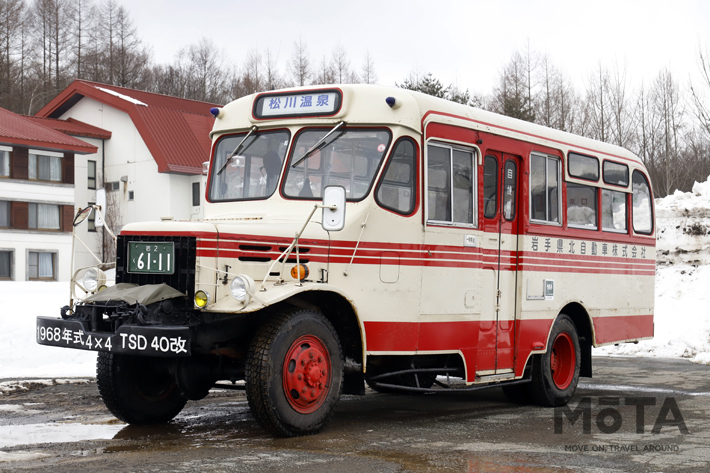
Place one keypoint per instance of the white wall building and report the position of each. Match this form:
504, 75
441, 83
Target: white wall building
151, 162
36, 198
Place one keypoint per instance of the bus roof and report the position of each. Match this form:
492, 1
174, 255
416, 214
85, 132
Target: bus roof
363, 104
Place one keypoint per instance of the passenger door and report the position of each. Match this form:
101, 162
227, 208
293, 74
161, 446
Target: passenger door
501, 215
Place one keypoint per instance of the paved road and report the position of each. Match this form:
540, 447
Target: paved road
65, 428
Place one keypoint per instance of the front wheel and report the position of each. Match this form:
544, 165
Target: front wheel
556, 373
294, 373
138, 389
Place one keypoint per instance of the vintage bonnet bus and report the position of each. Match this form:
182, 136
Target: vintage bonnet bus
362, 234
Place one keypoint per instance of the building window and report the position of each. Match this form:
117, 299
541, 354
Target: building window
396, 191
91, 173
4, 214
544, 189
45, 168
581, 206
112, 186
44, 217
4, 164
41, 265
195, 194
5, 265
450, 176
131, 195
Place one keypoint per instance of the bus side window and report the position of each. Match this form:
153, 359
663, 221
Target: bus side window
613, 211
450, 177
396, 191
642, 211
490, 186
581, 206
544, 188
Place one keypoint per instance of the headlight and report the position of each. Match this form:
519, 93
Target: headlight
241, 286
93, 278
201, 299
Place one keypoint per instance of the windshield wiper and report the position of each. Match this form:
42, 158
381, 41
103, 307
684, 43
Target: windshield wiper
237, 149
317, 145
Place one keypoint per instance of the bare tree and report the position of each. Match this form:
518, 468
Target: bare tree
622, 118
271, 71
700, 92
368, 74
342, 73
597, 104
513, 94
324, 73
207, 75
300, 64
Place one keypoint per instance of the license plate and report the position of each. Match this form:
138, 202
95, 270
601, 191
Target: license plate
151, 257
129, 339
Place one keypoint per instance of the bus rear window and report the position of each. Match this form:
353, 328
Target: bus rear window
643, 212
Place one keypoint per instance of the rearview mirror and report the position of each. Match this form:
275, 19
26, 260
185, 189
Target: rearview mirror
333, 208
82, 215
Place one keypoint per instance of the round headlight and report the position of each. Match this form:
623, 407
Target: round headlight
93, 279
239, 289
201, 299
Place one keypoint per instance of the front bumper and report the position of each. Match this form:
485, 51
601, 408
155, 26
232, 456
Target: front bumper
173, 341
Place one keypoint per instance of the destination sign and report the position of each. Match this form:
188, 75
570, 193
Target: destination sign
324, 102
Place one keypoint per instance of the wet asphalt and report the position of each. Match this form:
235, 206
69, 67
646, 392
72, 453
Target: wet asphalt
635, 415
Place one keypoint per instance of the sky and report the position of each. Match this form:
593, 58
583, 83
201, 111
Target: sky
461, 42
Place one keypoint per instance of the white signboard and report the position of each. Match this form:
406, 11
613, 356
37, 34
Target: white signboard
315, 103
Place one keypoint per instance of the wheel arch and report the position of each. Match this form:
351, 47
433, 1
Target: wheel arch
341, 313
585, 330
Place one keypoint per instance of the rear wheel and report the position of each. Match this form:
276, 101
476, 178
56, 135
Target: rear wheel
294, 373
556, 373
137, 389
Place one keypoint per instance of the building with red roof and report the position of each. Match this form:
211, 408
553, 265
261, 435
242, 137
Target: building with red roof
150, 150
37, 195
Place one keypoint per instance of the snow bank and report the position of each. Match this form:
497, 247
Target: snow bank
20, 355
682, 311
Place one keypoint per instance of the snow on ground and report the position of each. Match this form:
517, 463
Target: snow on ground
682, 312
20, 355
682, 306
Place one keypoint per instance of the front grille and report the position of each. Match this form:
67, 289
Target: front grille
183, 279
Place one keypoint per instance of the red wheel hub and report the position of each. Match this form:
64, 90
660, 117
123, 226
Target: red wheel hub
563, 360
306, 374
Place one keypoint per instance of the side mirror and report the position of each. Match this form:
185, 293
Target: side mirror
82, 215
333, 208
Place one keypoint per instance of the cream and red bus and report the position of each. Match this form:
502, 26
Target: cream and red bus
362, 234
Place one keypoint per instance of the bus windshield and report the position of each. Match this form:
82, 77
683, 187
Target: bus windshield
348, 158
254, 172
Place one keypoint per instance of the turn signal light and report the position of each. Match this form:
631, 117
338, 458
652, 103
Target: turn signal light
201, 299
300, 272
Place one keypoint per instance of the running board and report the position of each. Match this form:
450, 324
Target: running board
495, 377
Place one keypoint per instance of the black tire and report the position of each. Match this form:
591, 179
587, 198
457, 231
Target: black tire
137, 389
282, 402
556, 373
